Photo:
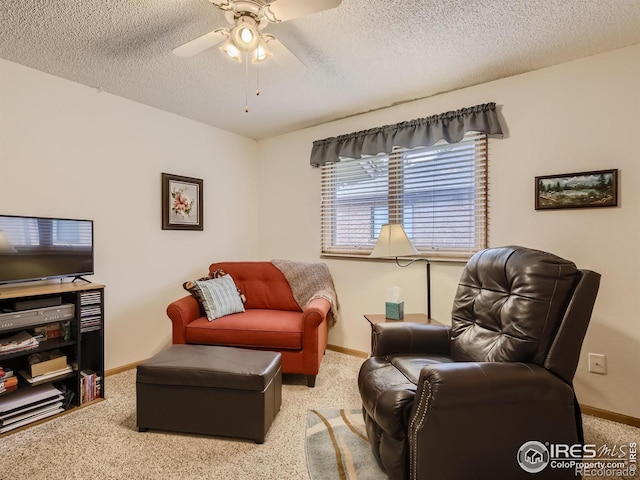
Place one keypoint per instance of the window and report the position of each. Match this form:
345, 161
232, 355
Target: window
438, 193
67, 232
47, 232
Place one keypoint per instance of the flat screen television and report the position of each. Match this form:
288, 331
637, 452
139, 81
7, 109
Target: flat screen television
39, 248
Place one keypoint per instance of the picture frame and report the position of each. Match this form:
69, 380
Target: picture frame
182, 203
592, 189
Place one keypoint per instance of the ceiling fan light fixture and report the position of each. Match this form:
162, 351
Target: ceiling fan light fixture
245, 35
261, 53
231, 51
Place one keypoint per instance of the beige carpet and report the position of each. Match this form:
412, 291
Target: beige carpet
102, 442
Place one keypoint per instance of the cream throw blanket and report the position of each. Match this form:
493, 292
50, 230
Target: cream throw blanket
308, 281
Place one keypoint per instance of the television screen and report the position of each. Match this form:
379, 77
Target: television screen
36, 248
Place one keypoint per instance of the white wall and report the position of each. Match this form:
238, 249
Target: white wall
68, 151
573, 117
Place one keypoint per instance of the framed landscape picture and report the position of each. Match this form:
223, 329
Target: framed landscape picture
577, 190
182, 205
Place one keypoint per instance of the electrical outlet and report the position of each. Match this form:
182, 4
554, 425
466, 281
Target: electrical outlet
598, 363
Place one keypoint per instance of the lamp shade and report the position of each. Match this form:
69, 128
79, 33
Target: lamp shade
231, 50
261, 53
245, 35
393, 242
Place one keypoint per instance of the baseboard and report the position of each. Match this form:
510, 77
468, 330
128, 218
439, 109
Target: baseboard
335, 348
123, 368
608, 415
348, 351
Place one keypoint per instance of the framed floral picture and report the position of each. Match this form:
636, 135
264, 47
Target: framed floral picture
182, 205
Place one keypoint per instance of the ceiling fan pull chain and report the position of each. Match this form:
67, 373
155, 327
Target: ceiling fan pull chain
257, 80
246, 83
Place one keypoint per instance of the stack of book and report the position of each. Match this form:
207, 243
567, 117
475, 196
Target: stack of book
45, 377
28, 405
18, 342
8, 381
89, 386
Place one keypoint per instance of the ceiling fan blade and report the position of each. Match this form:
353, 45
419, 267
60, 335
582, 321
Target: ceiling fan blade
201, 43
284, 58
223, 4
283, 10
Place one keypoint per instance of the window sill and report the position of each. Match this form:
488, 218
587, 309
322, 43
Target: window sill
436, 257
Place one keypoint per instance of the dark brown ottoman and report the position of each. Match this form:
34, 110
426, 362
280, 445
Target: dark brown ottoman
211, 390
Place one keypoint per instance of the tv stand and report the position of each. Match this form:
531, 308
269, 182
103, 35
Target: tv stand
80, 339
79, 277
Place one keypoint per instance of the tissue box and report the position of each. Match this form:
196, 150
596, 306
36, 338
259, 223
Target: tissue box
394, 310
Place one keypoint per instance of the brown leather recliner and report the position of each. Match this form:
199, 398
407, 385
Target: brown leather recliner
459, 402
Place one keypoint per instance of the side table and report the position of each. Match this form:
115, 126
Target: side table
374, 318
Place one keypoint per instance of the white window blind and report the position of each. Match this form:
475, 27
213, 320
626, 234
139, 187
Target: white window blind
438, 193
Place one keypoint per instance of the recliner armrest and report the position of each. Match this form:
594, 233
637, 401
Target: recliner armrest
465, 384
406, 337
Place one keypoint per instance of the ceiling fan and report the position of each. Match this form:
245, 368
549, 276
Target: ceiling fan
245, 38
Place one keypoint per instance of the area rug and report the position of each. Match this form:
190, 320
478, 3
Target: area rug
337, 447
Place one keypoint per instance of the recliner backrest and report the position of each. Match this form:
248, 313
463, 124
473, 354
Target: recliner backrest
564, 352
509, 305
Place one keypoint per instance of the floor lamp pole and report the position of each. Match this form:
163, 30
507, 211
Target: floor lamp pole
428, 280
428, 289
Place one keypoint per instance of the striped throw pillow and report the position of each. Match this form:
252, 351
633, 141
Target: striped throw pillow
219, 297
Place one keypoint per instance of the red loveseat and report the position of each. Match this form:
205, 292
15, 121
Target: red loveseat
273, 319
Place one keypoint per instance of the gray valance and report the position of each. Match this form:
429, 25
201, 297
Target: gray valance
421, 132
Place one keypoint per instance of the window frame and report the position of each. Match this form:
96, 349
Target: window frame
397, 209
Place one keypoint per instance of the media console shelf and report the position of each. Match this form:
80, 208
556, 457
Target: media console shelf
65, 383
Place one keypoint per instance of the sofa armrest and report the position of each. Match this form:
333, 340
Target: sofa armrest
315, 312
182, 312
406, 337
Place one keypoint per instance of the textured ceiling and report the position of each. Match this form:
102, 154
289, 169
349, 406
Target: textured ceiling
360, 56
